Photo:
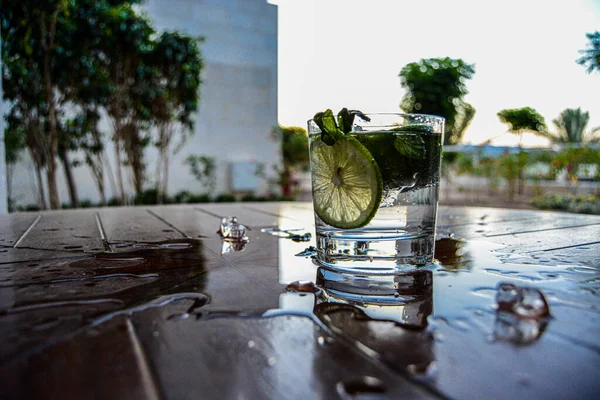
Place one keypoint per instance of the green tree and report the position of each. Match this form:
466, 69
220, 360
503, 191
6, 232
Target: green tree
14, 144
203, 168
571, 127
510, 167
23, 88
178, 63
519, 121
82, 131
127, 42
294, 152
54, 40
590, 57
437, 86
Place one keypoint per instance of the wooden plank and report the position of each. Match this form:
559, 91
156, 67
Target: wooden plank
13, 226
225, 348
463, 224
10, 255
193, 224
237, 291
26, 327
33, 311
548, 239
244, 215
468, 366
289, 214
73, 230
578, 254
103, 362
134, 225
277, 357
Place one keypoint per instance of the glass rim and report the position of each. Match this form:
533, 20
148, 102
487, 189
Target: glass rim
432, 116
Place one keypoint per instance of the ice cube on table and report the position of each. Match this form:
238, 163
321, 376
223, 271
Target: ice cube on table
521, 301
231, 229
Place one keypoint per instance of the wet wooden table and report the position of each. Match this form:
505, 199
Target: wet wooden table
151, 303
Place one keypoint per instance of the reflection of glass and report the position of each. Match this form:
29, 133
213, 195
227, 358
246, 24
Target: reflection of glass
378, 323
451, 253
404, 152
406, 299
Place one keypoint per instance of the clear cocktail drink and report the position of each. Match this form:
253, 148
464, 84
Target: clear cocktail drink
375, 191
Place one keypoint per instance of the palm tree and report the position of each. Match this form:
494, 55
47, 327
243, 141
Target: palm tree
570, 127
590, 57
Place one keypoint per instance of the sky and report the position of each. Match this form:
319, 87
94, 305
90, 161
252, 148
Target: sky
348, 53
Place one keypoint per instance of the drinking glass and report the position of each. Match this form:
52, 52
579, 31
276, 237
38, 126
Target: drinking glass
375, 192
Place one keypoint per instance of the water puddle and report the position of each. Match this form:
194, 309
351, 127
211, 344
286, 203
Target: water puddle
416, 324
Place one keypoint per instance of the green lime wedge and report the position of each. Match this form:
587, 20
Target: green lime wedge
346, 181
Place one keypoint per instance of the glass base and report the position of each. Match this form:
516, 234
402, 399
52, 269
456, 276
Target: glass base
409, 283
380, 256
406, 299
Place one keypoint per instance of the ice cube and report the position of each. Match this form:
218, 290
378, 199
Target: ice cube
231, 229
522, 313
521, 301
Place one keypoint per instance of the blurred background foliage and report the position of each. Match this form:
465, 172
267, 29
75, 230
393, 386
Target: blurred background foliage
69, 63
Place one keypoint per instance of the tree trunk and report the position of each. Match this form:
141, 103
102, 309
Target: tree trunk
99, 178
111, 177
53, 147
159, 167
99, 173
165, 186
119, 169
41, 193
74, 197
102, 194
10, 167
286, 182
521, 181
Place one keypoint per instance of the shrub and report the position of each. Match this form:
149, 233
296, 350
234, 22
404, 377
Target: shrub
86, 203
31, 207
146, 197
225, 198
582, 204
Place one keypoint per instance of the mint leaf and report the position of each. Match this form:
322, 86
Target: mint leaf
330, 133
346, 119
411, 145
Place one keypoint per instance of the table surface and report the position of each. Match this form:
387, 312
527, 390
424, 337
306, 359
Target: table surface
149, 302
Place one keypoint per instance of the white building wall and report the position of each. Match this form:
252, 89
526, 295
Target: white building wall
238, 96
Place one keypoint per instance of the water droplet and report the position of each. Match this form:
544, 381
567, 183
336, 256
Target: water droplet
272, 361
325, 340
178, 317
251, 343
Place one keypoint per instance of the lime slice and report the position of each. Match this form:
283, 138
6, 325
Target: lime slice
347, 185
